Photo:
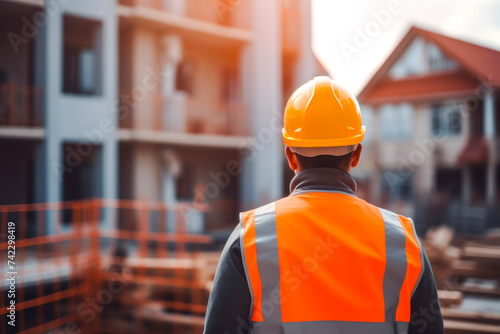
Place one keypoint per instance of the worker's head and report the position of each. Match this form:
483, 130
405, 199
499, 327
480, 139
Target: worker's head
323, 127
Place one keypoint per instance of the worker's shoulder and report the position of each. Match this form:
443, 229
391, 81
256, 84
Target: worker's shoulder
269, 207
385, 213
388, 215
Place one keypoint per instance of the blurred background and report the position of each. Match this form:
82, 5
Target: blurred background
133, 132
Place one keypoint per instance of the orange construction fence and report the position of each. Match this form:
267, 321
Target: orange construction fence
73, 259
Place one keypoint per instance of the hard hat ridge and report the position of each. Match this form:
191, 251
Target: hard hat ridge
322, 113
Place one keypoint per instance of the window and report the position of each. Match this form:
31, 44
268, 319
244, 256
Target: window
409, 63
397, 187
449, 181
446, 120
82, 56
396, 121
82, 176
367, 116
437, 61
230, 85
421, 58
82, 173
184, 78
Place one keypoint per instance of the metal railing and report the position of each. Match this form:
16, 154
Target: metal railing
183, 114
75, 273
20, 105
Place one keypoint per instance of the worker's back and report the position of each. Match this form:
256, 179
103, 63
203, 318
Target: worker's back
321, 261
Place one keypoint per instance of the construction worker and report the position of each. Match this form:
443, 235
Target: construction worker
323, 260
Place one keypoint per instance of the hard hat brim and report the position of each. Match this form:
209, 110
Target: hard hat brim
289, 141
331, 150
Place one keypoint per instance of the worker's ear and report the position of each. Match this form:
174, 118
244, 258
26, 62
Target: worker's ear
292, 160
356, 155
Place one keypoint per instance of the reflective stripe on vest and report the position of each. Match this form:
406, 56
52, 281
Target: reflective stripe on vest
324, 262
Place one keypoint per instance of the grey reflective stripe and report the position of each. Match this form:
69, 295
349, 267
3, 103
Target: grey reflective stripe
395, 269
266, 243
402, 327
324, 327
244, 260
421, 257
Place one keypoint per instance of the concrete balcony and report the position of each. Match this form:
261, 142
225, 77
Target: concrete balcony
180, 119
20, 106
221, 12
202, 22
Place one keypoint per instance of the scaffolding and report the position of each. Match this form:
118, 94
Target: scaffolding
105, 266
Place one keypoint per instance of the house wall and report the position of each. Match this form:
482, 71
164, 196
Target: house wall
417, 156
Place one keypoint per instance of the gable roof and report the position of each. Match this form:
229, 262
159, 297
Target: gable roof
481, 62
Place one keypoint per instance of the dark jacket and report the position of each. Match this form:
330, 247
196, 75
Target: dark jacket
229, 304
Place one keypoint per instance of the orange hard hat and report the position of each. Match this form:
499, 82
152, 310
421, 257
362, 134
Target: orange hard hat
321, 113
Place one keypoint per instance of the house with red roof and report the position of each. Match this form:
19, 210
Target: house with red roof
432, 147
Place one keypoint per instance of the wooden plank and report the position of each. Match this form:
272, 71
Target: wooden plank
469, 268
448, 297
482, 252
471, 316
464, 327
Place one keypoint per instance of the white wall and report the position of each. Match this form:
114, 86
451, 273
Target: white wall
262, 81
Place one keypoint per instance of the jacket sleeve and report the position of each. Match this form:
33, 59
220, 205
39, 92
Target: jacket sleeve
229, 303
426, 317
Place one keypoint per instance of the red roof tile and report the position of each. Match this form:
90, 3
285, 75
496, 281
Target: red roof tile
479, 60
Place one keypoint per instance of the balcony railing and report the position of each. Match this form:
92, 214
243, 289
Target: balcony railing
182, 114
221, 12
20, 105
216, 117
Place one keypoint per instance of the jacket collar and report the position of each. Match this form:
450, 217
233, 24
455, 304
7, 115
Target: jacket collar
322, 179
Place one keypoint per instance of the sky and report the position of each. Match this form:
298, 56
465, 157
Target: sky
353, 38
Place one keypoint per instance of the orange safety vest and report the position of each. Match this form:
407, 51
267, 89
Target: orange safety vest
329, 262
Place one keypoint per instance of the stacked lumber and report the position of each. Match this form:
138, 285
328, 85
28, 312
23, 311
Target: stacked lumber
465, 267
442, 255
478, 260
468, 322
163, 295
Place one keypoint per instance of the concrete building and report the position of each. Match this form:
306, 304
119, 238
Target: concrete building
432, 144
144, 99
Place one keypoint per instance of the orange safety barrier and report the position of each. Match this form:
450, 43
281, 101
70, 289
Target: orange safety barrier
75, 263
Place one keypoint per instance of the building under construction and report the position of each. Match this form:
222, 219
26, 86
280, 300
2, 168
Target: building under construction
144, 126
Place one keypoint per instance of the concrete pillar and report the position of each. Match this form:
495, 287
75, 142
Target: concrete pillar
54, 164
490, 135
39, 81
172, 167
172, 55
109, 162
262, 91
174, 111
466, 185
306, 63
